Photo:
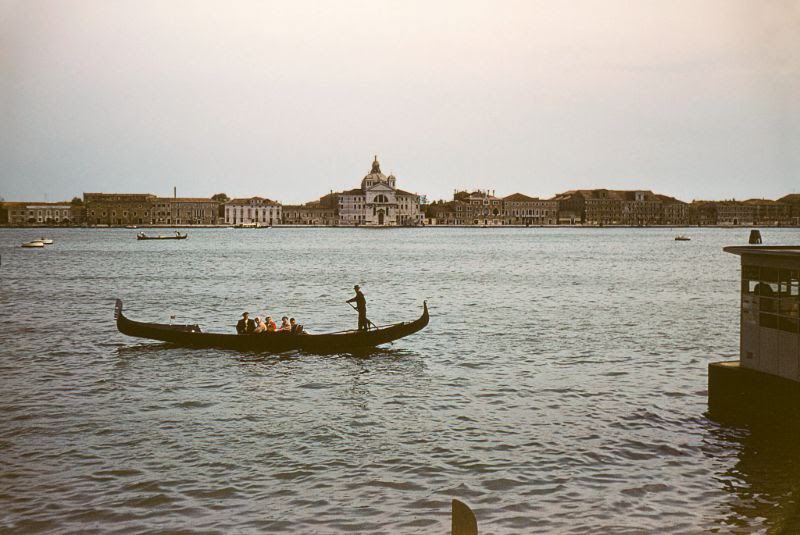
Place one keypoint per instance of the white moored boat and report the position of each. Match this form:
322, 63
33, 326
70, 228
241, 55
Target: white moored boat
46, 241
36, 243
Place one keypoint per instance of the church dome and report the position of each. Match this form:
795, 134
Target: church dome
374, 175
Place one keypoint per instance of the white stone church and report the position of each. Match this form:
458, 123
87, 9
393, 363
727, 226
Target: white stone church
378, 203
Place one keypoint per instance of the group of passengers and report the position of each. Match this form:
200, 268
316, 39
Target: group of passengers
267, 325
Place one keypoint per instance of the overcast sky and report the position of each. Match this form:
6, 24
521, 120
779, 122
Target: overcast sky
696, 99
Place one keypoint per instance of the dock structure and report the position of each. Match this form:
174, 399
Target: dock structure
766, 378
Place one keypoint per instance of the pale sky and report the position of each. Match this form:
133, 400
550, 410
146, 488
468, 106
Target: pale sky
289, 100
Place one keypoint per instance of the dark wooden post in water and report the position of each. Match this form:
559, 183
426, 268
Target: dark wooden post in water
755, 237
463, 520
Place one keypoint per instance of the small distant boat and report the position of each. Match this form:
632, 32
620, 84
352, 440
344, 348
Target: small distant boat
37, 244
251, 225
46, 241
131, 226
177, 236
682, 238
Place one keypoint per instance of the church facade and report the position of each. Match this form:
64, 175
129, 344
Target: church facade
378, 203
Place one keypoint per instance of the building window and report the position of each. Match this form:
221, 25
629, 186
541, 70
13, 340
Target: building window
771, 297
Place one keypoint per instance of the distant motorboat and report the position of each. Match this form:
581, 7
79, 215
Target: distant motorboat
131, 226
37, 244
46, 241
682, 238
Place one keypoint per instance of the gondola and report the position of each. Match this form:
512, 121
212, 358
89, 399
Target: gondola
344, 341
177, 236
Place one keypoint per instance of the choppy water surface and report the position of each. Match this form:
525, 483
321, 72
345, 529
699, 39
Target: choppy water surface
560, 386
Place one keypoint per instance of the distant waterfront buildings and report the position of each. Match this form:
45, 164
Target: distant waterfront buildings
793, 202
479, 207
735, 213
319, 213
520, 209
750, 212
252, 211
121, 209
675, 212
118, 208
378, 202
767, 211
39, 213
185, 211
615, 207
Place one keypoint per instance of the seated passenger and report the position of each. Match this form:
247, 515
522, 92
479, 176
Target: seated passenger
260, 326
245, 325
295, 327
285, 325
271, 326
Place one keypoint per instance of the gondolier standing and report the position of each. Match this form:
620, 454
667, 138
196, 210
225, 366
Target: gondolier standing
361, 306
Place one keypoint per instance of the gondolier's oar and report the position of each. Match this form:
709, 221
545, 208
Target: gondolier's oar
369, 322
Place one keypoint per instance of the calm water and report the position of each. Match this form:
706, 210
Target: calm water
560, 386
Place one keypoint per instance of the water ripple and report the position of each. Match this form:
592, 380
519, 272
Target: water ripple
560, 386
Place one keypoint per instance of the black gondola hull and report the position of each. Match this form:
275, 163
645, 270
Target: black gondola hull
178, 237
191, 336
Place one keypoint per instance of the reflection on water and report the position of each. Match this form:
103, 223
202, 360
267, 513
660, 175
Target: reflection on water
560, 386
764, 479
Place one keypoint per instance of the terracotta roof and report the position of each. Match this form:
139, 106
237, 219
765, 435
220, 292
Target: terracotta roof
610, 194
667, 198
117, 194
354, 191
586, 193
186, 199
37, 203
247, 201
520, 197
761, 201
404, 192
